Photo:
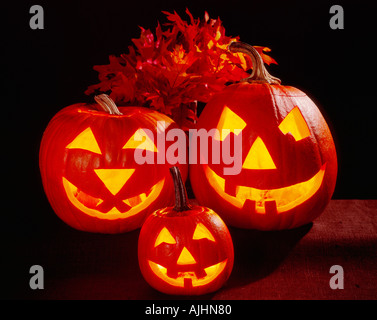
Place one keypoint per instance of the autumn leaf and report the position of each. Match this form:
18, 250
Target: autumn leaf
170, 70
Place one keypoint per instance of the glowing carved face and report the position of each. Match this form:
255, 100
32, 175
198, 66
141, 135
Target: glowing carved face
182, 264
258, 158
102, 191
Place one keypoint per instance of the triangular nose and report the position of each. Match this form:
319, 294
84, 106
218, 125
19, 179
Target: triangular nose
258, 157
114, 179
185, 257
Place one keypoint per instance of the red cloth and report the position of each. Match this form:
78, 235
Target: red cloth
291, 264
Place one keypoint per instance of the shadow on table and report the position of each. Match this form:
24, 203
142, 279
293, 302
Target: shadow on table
80, 265
258, 253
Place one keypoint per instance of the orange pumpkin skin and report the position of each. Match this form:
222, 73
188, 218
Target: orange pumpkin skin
187, 252
292, 182
83, 150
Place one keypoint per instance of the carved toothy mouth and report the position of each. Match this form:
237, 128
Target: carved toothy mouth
283, 199
188, 278
82, 201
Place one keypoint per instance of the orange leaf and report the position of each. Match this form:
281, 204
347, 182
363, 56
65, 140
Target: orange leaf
177, 65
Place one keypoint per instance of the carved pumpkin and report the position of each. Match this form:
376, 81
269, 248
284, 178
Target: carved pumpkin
89, 171
185, 249
289, 162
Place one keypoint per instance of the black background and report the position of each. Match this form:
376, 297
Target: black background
46, 70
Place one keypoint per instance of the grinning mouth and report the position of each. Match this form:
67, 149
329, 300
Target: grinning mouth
188, 277
87, 203
283, 199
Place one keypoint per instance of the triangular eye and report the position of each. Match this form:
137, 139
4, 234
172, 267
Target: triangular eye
86, 141
229, 122
164, 236
201, 232
141, 140
258, 157
295, 123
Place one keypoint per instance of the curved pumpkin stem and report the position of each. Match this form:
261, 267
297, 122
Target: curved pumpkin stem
181, 202
260, 73
105, 103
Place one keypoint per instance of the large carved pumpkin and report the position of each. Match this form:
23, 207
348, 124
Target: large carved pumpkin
289, 163
88, 167
185, 249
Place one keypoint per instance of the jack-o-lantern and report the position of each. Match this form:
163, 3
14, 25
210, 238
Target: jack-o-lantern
89, 171
289, 162
185, 250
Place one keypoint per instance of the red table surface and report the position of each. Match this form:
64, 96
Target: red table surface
290, 264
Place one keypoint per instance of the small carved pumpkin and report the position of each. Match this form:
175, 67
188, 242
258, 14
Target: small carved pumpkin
185, 249
88, 168
289, 162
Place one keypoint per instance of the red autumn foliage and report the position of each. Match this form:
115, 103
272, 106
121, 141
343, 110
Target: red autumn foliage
171, 70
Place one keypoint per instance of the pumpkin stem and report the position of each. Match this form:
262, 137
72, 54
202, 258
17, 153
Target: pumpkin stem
260, 73
181, 202
105, 103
